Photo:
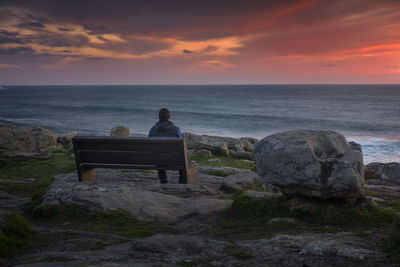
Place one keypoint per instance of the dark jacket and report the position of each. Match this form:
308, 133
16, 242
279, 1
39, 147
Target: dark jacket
165, 129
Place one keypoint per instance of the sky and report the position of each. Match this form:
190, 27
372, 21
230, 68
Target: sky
199, 42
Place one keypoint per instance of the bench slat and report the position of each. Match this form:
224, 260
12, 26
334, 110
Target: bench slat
150, 144
127, 157
130, 166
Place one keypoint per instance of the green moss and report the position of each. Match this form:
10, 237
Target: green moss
372, 193
391, 203
225, 161
16, 234
256, 186
117, 222
222, 173
247, 215
391, 246
372, 177
146, 171
43, 170
245, 207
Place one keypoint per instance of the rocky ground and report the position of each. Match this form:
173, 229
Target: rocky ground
192, 229
230, 218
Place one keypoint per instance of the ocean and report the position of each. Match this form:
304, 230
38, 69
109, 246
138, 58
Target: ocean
367, 114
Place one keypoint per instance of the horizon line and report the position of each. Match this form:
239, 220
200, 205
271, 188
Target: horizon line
194, 84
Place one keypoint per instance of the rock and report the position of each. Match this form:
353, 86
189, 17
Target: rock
231, 189
26, 155
120, 131
373, 170
12, 203
270, 188
311, 163
383, 173
151, 202
283, 219
261, 195
310, 249
66, 138
216, 148
23, 181
28, 139
182, 244
391, 173
203, 153
244, 144
187, 191
213, 160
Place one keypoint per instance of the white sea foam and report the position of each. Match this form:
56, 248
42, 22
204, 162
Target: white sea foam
379, 149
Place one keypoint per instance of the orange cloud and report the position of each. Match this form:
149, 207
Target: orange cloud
10, 66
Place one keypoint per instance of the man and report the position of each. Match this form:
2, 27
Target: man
165, 128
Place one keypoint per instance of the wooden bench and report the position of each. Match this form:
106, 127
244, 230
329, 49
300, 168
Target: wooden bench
131, 153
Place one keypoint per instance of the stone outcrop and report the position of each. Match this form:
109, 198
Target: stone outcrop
383, 173
141, 194
311, 164
33, 140
217, 145
120, 131
66, 138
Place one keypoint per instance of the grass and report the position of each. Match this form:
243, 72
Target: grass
372, 193
250, 216
225, 162
222, 173
16, 234
395, 204
256, 186
43, 170
118, 222
391, 246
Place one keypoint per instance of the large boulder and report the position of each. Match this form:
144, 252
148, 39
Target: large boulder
31, 139
120, 131
384, 173
311, 164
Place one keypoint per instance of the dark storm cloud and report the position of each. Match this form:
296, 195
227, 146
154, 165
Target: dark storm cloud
8, 40
64, 29
210, 48
199, 19
17, 51
31, 24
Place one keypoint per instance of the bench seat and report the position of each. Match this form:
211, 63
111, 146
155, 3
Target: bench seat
93, 152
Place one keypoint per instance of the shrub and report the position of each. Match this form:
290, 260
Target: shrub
15, 234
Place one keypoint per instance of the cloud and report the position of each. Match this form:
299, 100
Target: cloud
328, 65
215, 64
10, 66
66, 39
390, 67
17, 51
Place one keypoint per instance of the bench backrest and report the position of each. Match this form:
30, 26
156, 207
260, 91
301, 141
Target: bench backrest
130, 152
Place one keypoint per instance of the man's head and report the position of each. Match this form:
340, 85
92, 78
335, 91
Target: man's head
164, 114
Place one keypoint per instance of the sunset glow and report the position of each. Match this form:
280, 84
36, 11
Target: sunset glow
207, 42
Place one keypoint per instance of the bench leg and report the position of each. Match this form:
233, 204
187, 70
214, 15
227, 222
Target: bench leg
192, 174
88, 175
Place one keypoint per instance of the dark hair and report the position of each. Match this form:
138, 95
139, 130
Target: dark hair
164, 114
